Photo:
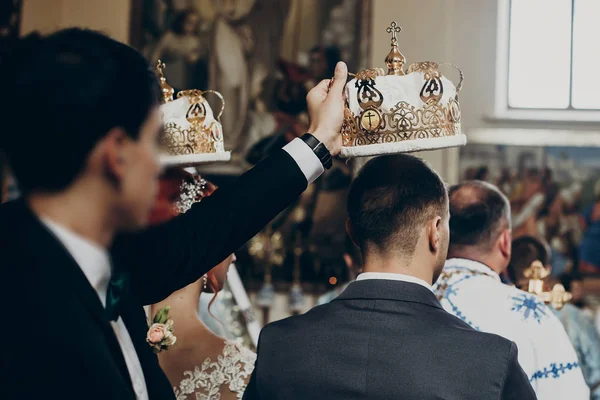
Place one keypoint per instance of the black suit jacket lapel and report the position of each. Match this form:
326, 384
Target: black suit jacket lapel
135, 320
48, 247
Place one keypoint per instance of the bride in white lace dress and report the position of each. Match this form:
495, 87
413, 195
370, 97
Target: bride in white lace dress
202, 365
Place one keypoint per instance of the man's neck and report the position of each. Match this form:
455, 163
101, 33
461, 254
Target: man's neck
394, 265
81, 212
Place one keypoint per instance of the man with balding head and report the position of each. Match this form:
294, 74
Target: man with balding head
470, 288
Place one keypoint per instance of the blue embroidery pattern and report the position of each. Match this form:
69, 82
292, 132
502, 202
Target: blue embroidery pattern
529, 306
554, 371
446, 290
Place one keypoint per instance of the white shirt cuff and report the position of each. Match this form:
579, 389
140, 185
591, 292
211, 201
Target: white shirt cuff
309, 163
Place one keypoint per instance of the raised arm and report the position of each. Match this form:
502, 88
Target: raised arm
167, 257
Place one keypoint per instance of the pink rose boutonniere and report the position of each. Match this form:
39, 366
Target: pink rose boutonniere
160, 334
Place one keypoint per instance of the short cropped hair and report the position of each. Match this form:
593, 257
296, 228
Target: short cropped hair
391, 199
478, 213
63, 93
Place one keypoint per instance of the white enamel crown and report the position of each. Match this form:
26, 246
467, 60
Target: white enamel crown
192, 134
401, 111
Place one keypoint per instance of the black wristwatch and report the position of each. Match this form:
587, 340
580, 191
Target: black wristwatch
319, 149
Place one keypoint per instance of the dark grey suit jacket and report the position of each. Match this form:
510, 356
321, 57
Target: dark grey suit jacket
383, 339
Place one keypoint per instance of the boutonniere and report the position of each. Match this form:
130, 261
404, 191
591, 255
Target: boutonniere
160, 334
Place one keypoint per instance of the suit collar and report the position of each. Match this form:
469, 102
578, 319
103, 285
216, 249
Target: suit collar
380, 289
394, 277
93, 260
50, 252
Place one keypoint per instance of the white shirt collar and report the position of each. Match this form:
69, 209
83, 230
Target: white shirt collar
393, 277
454, 263
93, 260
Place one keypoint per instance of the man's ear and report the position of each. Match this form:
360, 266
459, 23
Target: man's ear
432, 230
350, 231
505, 243
348, 261
113, 154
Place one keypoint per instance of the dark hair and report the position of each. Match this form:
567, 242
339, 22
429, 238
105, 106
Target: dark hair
67, 91
482, 174
2, 177
477, 211
526, 250
391, 199
289, 90
179, 20
332, 55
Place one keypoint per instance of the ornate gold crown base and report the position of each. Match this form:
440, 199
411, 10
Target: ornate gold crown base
406, 146
402, 129
187, 160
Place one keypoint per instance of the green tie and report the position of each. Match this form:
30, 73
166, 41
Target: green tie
114, 294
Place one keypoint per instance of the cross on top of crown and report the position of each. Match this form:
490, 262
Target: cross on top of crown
393, 29
160, 66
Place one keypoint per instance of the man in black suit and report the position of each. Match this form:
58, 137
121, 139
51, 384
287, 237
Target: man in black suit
81, 121
386, 336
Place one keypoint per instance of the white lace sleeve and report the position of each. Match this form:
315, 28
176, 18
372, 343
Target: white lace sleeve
230, 372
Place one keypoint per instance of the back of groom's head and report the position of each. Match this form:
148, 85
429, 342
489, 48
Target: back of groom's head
390, 202
62, 94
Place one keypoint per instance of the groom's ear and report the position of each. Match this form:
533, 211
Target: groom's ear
110, 155
433, 233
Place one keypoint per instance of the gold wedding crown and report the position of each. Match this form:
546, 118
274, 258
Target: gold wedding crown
192, 134
401, 111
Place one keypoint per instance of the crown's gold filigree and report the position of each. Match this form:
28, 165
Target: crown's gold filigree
403, 122
370, 73
203, 135
433, 89
429, 68
395, 60
374, 124
197, 139
167, 90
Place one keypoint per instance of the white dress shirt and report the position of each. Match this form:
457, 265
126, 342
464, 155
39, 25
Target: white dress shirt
306, 159
394, 277
95, 264
94, 261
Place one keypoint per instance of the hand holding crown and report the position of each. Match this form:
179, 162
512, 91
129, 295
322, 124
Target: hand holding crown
326, 110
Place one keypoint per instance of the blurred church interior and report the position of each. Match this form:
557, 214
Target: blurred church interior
530, 109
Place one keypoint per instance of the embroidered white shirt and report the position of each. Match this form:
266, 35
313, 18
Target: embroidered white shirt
474, 293
393, 277
95, 264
